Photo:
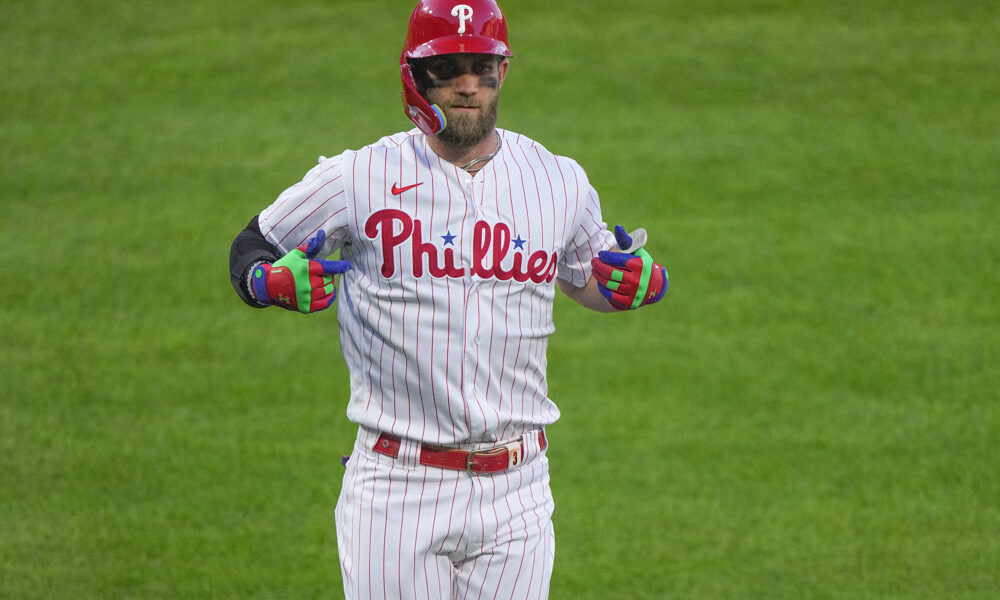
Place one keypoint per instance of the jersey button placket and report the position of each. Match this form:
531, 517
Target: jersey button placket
472, 307
471, 337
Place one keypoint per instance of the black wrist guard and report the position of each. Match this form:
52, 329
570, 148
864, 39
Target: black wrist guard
249, 248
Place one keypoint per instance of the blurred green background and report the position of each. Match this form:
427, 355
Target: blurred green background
810, 413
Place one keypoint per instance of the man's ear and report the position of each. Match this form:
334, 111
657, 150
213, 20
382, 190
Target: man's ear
504, 64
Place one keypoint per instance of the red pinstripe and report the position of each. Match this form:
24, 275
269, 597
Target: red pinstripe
300, 204
283, 199
520, 313
534, 179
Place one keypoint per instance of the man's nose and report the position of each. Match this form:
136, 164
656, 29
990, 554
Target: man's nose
467, 84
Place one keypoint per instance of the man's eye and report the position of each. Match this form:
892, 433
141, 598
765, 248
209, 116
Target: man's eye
484, 68
444, 70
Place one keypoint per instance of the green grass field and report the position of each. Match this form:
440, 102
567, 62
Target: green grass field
811, 413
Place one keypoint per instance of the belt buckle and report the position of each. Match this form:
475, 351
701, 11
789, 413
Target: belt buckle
513, 450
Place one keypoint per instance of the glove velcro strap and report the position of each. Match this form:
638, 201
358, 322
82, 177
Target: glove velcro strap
258, 284
647, 272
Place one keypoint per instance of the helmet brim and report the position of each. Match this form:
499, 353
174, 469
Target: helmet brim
459, 44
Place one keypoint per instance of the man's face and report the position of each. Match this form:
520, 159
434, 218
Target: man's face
467, 88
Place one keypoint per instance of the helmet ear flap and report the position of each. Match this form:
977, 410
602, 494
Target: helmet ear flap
426, 116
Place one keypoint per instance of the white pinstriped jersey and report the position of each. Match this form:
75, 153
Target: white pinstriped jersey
444, 319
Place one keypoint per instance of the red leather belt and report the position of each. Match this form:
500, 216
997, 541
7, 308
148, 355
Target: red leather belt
478, 462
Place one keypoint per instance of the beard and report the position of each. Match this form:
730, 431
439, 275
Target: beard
465, 130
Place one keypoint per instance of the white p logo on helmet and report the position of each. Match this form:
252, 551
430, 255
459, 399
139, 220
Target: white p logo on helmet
464, 13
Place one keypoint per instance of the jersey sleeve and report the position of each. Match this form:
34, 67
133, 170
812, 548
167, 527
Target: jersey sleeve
589, 236
317, 202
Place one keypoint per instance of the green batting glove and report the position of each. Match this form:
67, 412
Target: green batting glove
296, 281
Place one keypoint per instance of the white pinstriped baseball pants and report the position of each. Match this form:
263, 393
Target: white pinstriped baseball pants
406, 531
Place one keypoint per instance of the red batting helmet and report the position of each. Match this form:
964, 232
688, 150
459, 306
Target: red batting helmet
447, 27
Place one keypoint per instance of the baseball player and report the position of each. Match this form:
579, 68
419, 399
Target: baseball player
452, 238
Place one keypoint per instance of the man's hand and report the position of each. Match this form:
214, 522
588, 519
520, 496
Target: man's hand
296, 281
629, 279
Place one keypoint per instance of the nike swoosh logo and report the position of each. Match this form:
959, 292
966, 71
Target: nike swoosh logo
396, 190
